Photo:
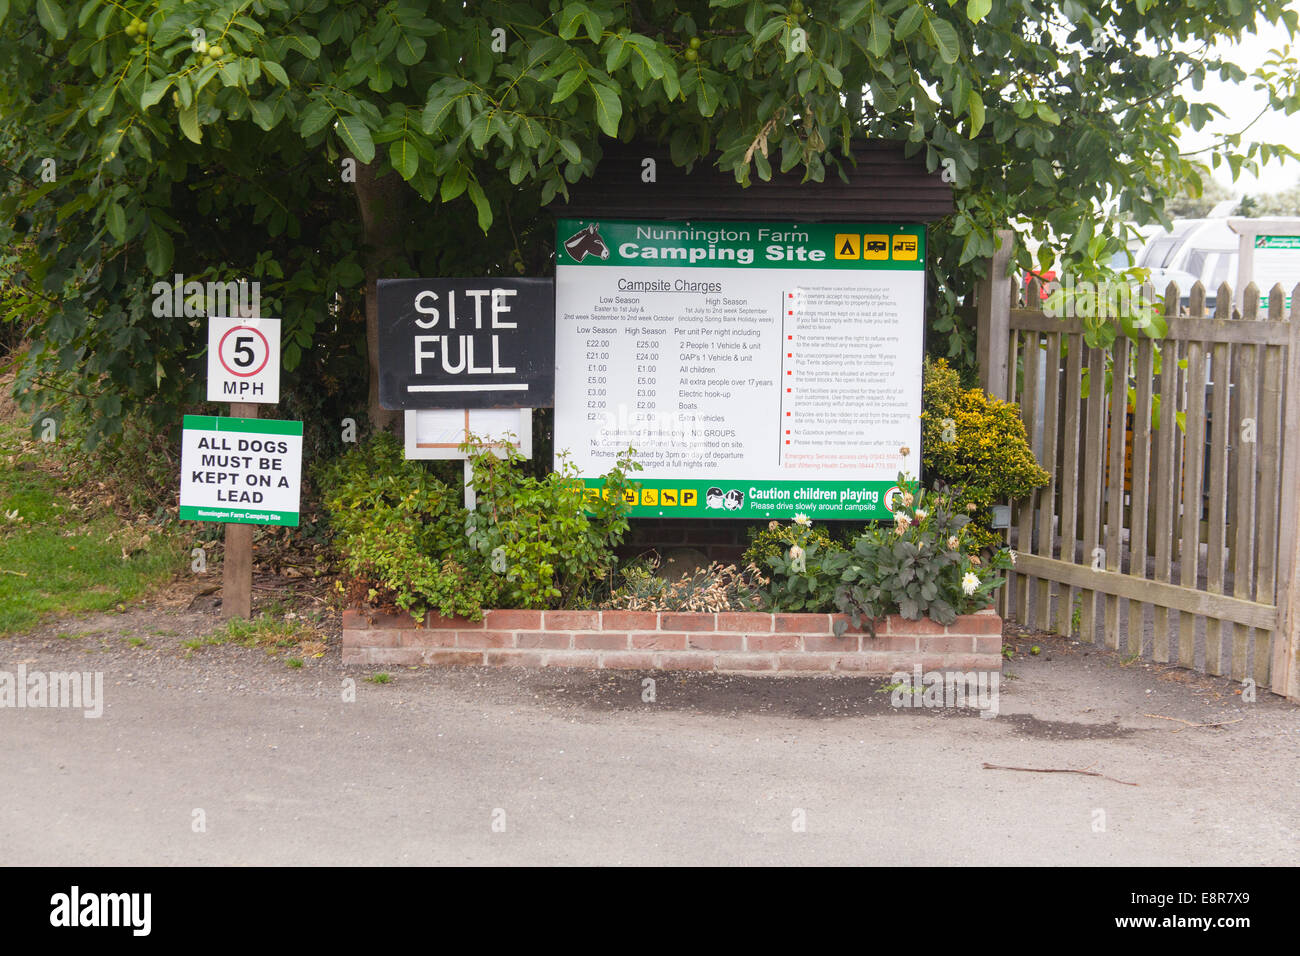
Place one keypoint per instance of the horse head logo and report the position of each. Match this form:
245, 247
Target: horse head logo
586, 242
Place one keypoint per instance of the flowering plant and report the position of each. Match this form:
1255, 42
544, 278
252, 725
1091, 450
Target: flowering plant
926, 564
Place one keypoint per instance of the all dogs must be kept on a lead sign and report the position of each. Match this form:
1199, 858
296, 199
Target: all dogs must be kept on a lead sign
240, 470
466, 343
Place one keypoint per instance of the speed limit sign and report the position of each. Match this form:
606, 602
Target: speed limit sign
244, 360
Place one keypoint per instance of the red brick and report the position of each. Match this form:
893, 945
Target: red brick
422, 638
382, 619
802, 624
438, 622
628, 661
746, 621
686, 662
988, 644
516, 658
630, 620
484, 639
572, 620
947, 644
903, 643
513, 620
715, 642
829, 642
659, 641
970, 662
356, 655
745, 662
444, 657
354, 618
901, 625
392, 655
551, 640
771, 642
585, 659
604, 641
867, 662
686, 621
985, 622
804, 662
369, 638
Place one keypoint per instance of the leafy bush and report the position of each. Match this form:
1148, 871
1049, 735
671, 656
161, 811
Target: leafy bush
401, 534
976, 445
776, 539
924, 565
804, 563
715, 588
537, 532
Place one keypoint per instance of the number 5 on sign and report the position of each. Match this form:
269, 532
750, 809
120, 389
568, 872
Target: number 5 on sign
244, 360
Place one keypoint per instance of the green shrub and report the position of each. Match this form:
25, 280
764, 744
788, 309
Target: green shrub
552, 543
400, 533
976, 445
804, 565
776, 539
923, 566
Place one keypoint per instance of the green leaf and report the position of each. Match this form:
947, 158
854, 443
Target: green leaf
50, 14
568, 85
570, 150
276, 72
909, 22
454, 183
944, 37
117, 222
976, 107
158, 250
479, 199
609, 108
154, 92
977, 10
189, 120
356, 136
404, 158
878, 40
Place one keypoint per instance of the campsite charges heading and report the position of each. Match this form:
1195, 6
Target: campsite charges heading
741, 245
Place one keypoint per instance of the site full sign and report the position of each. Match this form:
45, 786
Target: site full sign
466, 343
240, 470
760, 370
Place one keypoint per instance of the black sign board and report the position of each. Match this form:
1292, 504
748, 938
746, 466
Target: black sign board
466, 343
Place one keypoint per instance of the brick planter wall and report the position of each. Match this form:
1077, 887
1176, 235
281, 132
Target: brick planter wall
649, 640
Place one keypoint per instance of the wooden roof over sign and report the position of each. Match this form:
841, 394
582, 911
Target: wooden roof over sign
884, 185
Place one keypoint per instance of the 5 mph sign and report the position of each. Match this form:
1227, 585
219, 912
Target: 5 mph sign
244, 360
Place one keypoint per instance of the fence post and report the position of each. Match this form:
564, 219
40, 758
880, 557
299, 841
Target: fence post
1286, 647
993, 304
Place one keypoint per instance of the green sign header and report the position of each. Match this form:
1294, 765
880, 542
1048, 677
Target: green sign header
740, 245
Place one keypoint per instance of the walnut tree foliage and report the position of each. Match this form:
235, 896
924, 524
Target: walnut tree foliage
135, 147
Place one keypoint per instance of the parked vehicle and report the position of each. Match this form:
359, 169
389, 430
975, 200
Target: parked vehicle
1206, 250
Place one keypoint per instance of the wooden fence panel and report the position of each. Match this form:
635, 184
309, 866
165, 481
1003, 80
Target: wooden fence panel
1211, 462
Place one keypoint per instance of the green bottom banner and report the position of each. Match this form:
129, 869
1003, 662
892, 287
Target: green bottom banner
238, 515
737, 498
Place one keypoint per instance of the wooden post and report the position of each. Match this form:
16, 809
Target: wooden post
237, 567
993, 304
1285, 677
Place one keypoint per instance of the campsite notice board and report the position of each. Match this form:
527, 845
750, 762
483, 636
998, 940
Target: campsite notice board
240, 470
760, 370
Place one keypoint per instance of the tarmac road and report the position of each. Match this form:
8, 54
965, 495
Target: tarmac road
477, 766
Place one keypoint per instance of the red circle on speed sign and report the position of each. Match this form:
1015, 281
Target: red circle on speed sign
221, 347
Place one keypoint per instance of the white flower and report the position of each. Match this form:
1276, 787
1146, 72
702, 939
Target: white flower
920, 514
803, 520
798, 562
969, 583
1012, 556
907, 499
902, 520
952, 542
